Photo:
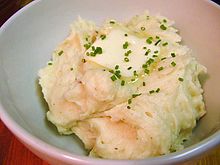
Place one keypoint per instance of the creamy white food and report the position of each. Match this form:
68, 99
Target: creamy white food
127, 90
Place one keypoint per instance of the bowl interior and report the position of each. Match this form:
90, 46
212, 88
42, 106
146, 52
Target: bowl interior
27, 41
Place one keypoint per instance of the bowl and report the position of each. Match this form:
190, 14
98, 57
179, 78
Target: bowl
28, 38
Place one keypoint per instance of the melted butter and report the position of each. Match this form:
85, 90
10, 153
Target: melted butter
113, 52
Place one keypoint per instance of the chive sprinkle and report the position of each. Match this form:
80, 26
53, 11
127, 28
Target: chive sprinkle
60, 53
125, 45
87, 46
136, 95
160, 68
144, 47
116, 67
71, 69
156, 51
128, 107
144, 83
164, 20
126, 34
146, 71
128, 52
49, 63
143, 28
173, 63
163, 58
180, 79
157, 37
113, 77
83, 60
126, 59
129, 68
157, 42
147, 52
173, 54
103, 36
157, 90
149, 40
122, 82
154, 56
112, 22
165, 44
129, 101
163, 27
151, 91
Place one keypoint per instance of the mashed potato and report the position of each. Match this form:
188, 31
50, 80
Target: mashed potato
127, 90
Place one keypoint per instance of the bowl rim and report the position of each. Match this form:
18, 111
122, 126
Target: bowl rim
39, 145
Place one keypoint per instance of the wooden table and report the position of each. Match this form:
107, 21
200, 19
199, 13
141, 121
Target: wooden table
12, 152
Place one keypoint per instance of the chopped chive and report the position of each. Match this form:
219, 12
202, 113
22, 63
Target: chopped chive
117, 73
126, 59
122, 82
116, 67
144, 66
157, 90
143, 28
126, 34
112, 22
49, 63
83, 60
156, 51
87, 46
129, 68
98, 50
154, 56
163, 58
148, 17
129, 101
150, 61
128, 107
133, 79
135, 73
60, 53
103, 36
147, 52
151, 91
163, 27
113, 77
157, 42
128, 52
157, 37
111, 71
93, 48
173, 63
125, 45
164, 20
149, 40
180, 79
165, 44
136, 95
173, 54
71, 69
146, 71
144, 47
87, 39
144, 83
160, 68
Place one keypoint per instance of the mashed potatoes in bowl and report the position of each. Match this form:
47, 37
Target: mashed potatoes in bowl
127, 90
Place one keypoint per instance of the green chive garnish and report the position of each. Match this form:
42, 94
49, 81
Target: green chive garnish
180, 79
157, 90
144, 83
128, 107
173, 63
83, 60
163, 58
126, 59
126, 34
129, 68
160, 68
60, 53
163, 27
122, 82
113, 77
116, 67
157, 42
152, 91
125, 45
165, 44
149, 40
103, 36
173, 54
142, 28
136, 95
129, 101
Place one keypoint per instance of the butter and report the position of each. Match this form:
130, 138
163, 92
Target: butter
113, 52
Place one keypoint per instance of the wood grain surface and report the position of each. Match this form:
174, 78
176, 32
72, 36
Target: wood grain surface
12, 152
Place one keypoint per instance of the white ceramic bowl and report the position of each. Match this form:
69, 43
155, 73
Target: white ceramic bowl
28, 38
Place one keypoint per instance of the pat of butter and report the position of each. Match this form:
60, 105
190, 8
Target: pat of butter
113, 52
